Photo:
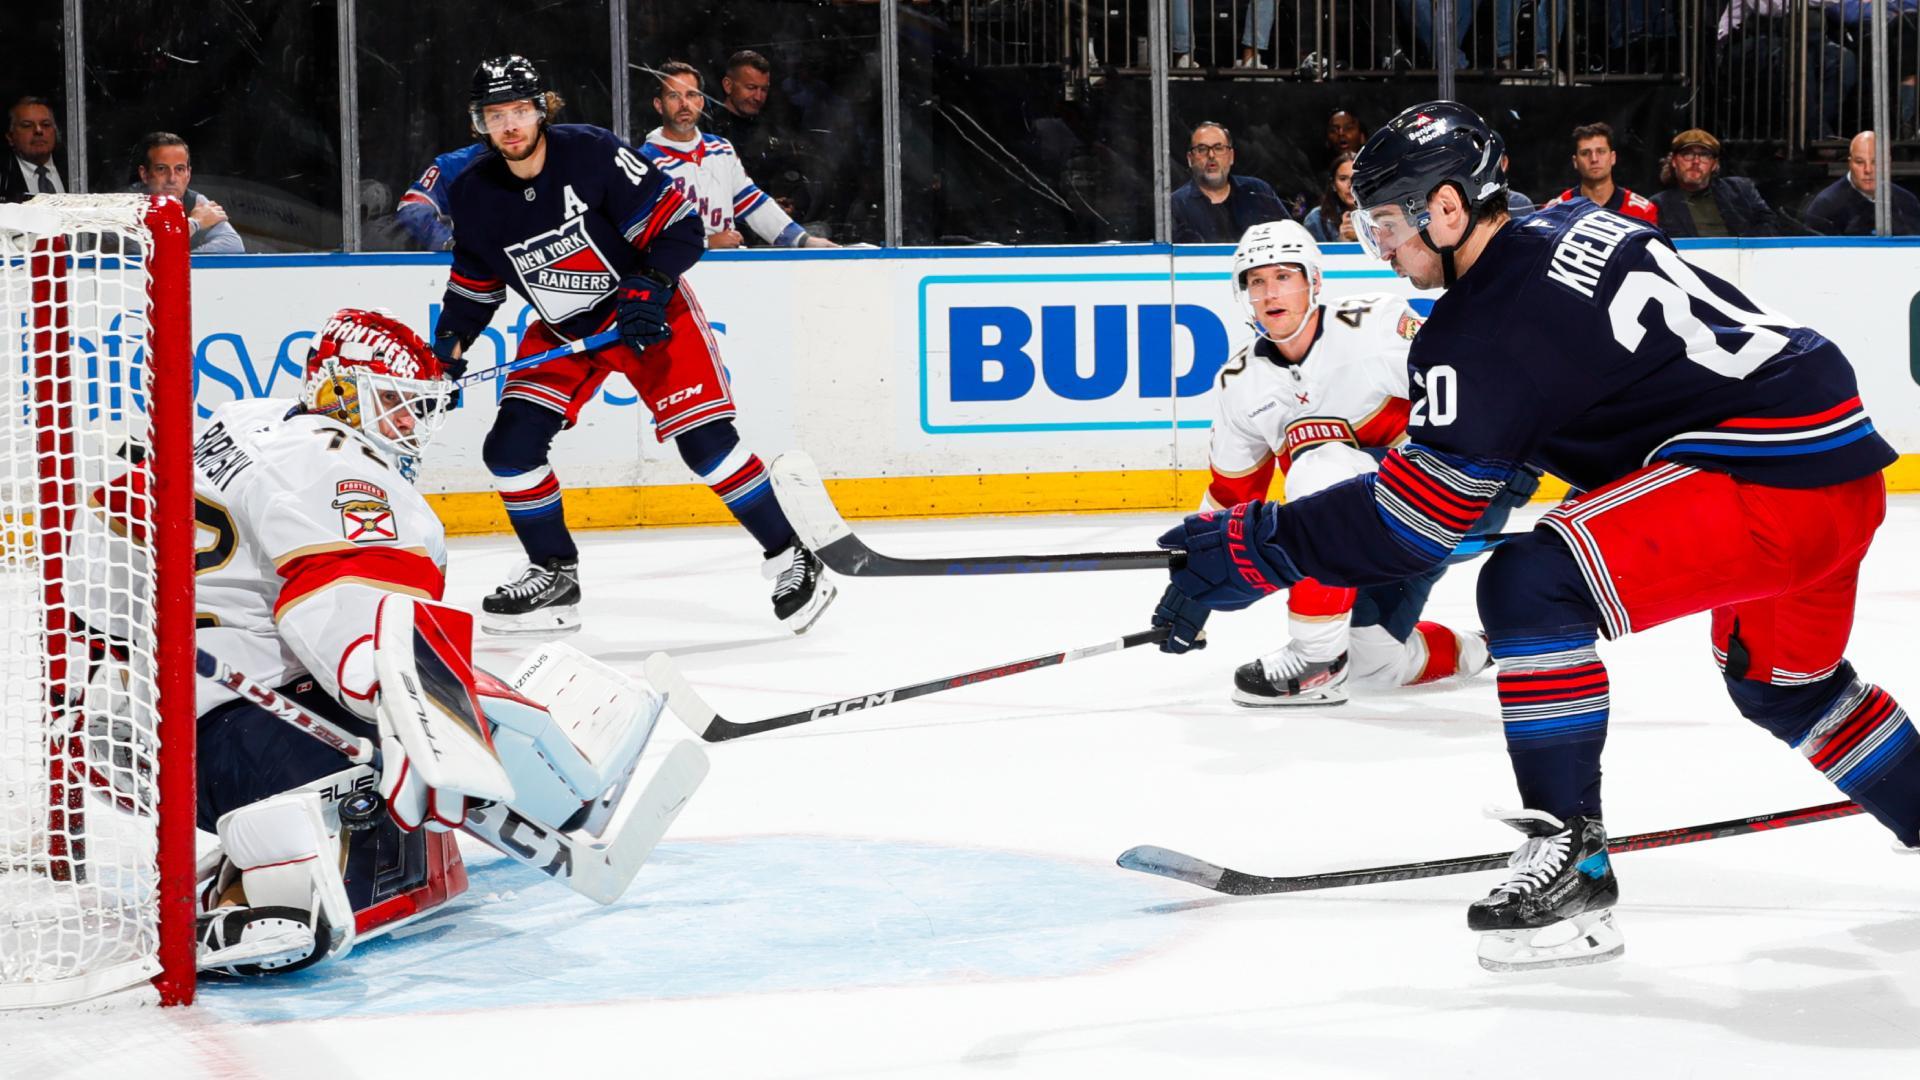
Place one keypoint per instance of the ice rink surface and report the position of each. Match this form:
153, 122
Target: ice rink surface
928, 889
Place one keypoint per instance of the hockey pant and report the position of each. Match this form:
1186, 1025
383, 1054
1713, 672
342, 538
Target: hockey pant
1779, 570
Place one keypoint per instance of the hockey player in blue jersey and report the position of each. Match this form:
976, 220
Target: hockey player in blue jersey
572, 219
423, 209
1722, 459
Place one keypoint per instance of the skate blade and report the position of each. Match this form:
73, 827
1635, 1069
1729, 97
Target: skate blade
1306, 700
801, 621
1586, 939
547, 622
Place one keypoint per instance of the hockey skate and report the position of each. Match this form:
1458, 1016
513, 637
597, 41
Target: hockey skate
801, 590
1553, 909
545, 600
1285, 678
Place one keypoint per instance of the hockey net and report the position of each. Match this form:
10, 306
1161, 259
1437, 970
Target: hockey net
96, 600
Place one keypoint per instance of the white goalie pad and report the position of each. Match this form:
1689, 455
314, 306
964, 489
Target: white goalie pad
423, 652
287, 859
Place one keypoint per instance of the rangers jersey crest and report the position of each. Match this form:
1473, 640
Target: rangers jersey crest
562, 272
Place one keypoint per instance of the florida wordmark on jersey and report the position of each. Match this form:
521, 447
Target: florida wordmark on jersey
708, 172
1351, 387
300, 527
562, 239
1580, 342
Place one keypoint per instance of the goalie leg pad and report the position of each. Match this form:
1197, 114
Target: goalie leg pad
288, 860
437, 752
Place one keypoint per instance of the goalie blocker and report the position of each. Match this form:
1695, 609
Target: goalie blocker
557, 743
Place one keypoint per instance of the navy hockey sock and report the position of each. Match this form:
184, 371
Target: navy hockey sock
1855, 733
740, 479
1542, 626
516, 453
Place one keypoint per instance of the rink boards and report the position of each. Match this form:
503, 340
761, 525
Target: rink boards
955, 381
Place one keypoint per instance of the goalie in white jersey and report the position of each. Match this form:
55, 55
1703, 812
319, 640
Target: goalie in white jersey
318, 568
1320, 386
709, 173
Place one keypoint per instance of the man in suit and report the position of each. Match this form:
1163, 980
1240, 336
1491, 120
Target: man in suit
28, 169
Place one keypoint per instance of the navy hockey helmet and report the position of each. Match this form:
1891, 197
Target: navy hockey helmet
1408, 159
506, 78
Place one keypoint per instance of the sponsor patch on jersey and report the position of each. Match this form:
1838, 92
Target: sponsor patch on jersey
1409, 326
563, 270
365, 515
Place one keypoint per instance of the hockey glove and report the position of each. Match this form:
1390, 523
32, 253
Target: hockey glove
1185, 619
452, 354
641, 303
1227, 567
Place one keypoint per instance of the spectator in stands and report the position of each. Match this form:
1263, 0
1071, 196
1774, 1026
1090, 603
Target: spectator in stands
1757, 39
1344, 133
1593, 161
1845, 208
744, 91
1183, 34
32, 135
1216, 207
1548, 15
704, 168
1328, 222
1700, 201
165, 168
1258, 34
770, 154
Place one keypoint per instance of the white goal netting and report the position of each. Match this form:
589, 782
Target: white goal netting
78, 726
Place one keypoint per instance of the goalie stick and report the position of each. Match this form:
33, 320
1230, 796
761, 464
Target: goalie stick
694, 711
598, 871
1160, 861
820, 526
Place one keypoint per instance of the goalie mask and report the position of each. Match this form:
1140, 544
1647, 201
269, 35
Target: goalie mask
371, 372
1274, 243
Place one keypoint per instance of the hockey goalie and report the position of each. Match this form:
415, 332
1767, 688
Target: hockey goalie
319, 569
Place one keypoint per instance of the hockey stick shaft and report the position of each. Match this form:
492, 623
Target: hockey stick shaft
600, 872
803, 495
711, 726
586, 344
1166, 863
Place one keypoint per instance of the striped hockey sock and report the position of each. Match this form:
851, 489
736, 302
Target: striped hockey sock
742, 482
533, 507
1554, 703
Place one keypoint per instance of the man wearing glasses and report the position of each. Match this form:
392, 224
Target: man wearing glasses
165, 169
1216, 207
1701, 202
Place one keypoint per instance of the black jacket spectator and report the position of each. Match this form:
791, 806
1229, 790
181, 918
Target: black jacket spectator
1199, 220
13, 186
1841, 210
1740, 204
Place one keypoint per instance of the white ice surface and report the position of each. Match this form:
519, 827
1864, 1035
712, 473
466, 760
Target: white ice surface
928, 889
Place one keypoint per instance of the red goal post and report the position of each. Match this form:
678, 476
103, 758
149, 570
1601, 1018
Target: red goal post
96, 600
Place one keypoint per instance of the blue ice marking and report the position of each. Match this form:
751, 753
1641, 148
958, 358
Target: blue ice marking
754, 915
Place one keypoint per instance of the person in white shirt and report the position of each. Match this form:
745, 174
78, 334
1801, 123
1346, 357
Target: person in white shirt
32, 134
708, 171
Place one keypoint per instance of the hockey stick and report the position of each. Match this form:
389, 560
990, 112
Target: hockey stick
1148, 859
803, 495
694, 711
586, 344
599, 871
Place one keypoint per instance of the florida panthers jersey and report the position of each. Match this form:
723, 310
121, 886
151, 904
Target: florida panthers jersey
595, 214
1581, 342
707, 171
1351, 387
301, 526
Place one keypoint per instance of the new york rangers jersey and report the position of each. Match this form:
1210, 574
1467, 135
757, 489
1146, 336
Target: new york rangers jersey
709, 173
1351, 387
1581, 343
595, 214
301, 527
423, 209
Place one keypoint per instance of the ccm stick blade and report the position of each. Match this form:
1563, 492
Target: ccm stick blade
1164, 862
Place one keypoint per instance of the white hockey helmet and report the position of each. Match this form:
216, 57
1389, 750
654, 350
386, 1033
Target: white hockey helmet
1268, 244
